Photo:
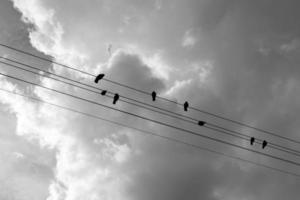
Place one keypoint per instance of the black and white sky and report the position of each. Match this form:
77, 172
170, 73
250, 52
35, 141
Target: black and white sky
236, 58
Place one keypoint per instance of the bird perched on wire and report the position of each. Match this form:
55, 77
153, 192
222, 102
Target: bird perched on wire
153, 96
201, 123
185, 106
116, 98
98, 78
252, 140
264, 144
103, 92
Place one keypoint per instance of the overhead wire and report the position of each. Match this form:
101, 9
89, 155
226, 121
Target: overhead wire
198, 147
159, 97
157, 122
214, 127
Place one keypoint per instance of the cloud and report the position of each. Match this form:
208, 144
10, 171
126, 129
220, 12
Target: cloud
292, 46
178, 87
23, 175
189, 39
81, 165
223, 73
47, 31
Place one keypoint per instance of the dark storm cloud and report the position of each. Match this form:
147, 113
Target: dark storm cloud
248, 85
131, 69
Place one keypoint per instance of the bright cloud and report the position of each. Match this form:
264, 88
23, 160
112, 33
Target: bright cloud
189, 39
219, 70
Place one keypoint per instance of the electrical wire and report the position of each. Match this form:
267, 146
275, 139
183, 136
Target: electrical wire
157, 122
214, 127
198, 147
159, 97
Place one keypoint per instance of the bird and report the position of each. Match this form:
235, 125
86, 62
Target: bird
116, 98
201, 123
103, 92
252, 140
185, 106
264, 144
153, 95
99, 77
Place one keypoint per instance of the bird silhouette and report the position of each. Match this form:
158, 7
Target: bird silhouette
252, 140
98, 78
185, 106
201, 123
264, 144
153, 96
116, 98
103, 92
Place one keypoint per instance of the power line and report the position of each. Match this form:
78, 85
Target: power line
214, 127
153, 134
157, 122
96, 88
159, 97
259, 141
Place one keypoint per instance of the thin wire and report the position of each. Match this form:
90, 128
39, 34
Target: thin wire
214, 127
141, 106
96, 88
158, 122
153, 134
259, 141
159, 97
270, 145
45, 59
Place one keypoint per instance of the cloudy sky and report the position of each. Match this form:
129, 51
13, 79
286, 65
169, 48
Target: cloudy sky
235, 58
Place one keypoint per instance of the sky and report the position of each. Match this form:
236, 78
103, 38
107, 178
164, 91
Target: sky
234, 58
